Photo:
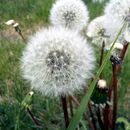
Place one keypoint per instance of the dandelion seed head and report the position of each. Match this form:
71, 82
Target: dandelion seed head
116, 11
72, 14
57, 61
96, 31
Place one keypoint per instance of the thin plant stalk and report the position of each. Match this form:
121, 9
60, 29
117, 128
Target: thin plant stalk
99, 119
106, 117
36, 122
71, 106
64, 106
102, 53
18, 30
115, 100
92, 116
84, 114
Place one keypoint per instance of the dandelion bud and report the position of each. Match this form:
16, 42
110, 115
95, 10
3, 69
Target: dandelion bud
99, 96
10, 22
96, 31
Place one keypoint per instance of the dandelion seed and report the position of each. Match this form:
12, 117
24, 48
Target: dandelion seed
72, 14
57, 62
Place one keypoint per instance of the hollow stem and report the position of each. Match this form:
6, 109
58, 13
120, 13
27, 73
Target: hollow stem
92, 115
18, 30
115, 100
33, 118
64, 106
102, 55
99, 119
106, 113
71, 106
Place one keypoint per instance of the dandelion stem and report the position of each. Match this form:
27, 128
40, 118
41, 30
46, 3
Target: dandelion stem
64, 106
114, 96
33, 118
71, 106
84, 114
102, 53
92, 115
122, 54
18, 30
99, 119
106, 117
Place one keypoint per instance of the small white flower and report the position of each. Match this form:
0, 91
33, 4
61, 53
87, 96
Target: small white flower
57, 61
72, 14
102, 84
96, 31
10, 22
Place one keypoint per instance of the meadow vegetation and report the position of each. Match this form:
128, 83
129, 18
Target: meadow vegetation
32, 14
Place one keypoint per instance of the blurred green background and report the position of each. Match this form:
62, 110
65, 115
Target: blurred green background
32, 14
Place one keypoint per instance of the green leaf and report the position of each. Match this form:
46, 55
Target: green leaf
82, 107
123, 120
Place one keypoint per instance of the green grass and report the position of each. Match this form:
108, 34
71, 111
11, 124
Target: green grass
13, 89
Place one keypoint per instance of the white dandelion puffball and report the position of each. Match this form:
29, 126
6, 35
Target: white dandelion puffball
116, 11
57, 61
72, 14
96, 31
